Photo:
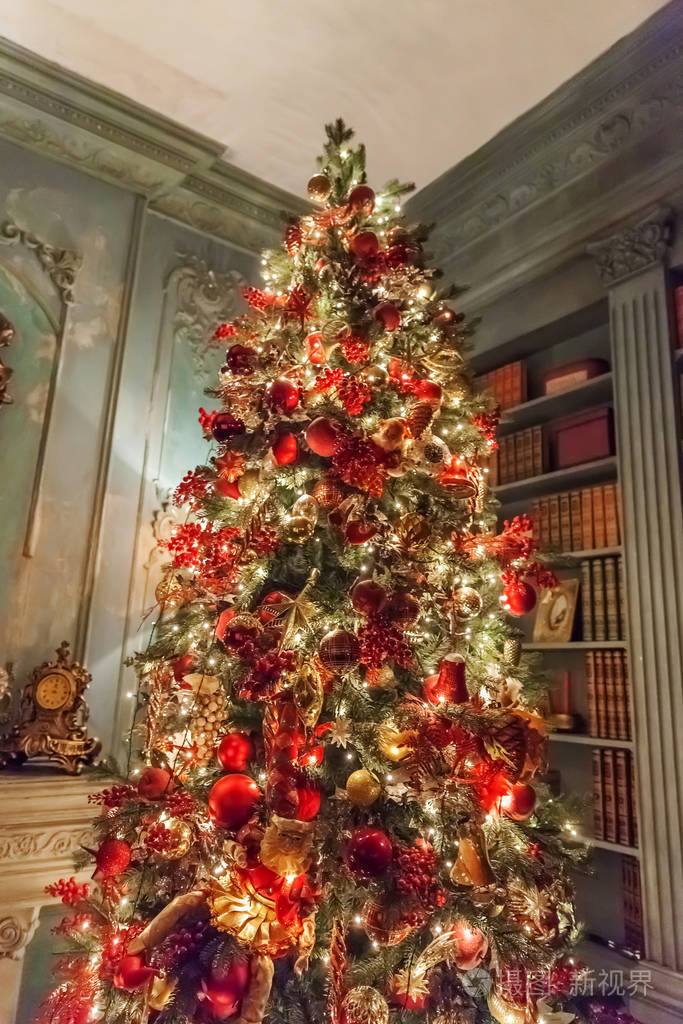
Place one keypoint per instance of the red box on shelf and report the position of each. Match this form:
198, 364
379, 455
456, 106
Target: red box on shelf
582, 438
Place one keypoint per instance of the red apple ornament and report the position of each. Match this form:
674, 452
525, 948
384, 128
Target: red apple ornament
154, 783
362, 199
282, 395
369, 851
132, 973
388, 316
367, 597
323, 436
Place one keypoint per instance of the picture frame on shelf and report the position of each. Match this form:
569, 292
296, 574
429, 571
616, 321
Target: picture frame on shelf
555, 613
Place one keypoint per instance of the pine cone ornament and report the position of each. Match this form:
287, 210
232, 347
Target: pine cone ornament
413, 532
419, 417
435, 452
293, 237
512, 650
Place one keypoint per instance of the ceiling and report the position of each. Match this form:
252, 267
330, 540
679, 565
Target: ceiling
424, 82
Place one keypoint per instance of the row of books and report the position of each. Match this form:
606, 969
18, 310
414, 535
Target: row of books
602, 599
632, 903
608, 699
614, 814
507, 384
519, 455
579, 520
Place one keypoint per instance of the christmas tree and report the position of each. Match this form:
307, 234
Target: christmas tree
332, 812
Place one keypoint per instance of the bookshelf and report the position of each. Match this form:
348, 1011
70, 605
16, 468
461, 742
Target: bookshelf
603, 750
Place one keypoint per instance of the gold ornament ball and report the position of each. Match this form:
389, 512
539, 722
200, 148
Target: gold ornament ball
307, 507
170, 588
362, 788
298, 529
319, 187
467, 602
373, 374
181, 839
365, 1005
249, 484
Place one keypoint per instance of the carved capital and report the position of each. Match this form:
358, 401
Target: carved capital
633, 249
16, 931
61, 265
204, 298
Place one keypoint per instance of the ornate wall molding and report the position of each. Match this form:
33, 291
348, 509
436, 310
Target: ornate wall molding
205, 297
16, 846
633, 249
6, 338
61, 265
67, 118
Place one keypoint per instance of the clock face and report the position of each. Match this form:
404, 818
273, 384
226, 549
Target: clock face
53, 691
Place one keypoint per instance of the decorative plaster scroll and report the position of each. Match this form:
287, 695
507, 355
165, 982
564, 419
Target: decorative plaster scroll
17, 846
633, 249
61, 265
6, 338
205, 298
15, 934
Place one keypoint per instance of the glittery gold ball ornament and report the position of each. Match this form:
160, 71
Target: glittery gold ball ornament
374, 374
298, 529
307, 507
464, 1015
180, 839
249, 484
362, 788
504, 1011
319, 187
467, 602
207, 724
171, 589
365, 1005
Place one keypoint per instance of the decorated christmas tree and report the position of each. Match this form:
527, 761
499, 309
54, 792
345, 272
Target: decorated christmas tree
333, 810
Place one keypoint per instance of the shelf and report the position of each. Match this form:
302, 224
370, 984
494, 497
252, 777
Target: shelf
581, 739
602, 844
578, 645
583, 554
558, 480
549, 407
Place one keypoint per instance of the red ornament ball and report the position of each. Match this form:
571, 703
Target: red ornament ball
225, 988
472, 946
369, 851
182, 666
307, 801
131, 973
401, 608
519, 802
367, 597
315, 349
233, 800
235, 751
154, 783
356, 531
224, 426
284, 449
362, 199
328, 494
282, 395
339, 650
364, 245
388, 316
519, 598
323, 436
227, 488
240, 359
111, 858
429, 391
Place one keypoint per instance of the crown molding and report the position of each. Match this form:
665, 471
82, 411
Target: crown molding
181, 173
611, 128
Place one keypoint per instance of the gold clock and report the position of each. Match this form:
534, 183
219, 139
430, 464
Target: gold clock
52, 717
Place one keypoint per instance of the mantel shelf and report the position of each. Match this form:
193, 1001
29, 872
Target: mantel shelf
550, 407
578, 645
558, 480
603, 844
579, 739
565, 556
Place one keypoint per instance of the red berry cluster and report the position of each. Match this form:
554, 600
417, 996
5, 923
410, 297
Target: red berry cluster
264, 541
266, 672
191, 489
355, 350
225, 331
352, 393
68, 890
360, 462
382, 641
159, 838
259, 299
180, 804
416, 876
487, 422
193, 544
181, 945
115, 796
115, 946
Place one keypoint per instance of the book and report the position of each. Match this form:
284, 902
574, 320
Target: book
494, 478
537, 448
565, 522
507, 386
503, 463
623, 788
613, 629
609, 501
598, 506
519, 472
577, 526
598, 815
609, 795
586, 600
544, 523
621, 695
600, 695
554, 505
634, 815
511, 462
621, 598
610, 696
598, 599
527, 454
628, 703
586, 520
591, 703
632, 901
620, 511
518, 382
536, 522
